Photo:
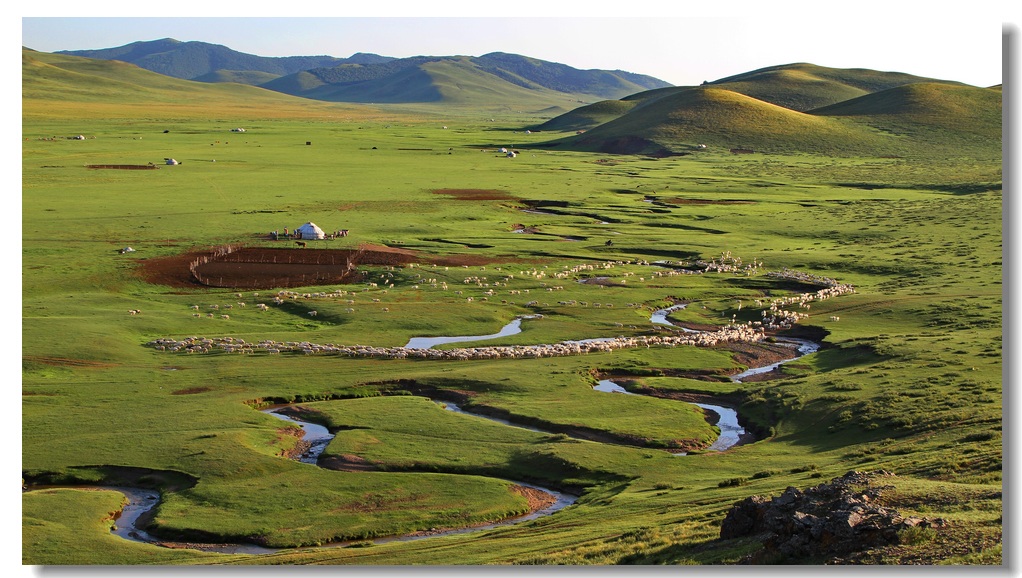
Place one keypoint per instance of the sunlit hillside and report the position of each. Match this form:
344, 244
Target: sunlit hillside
56, 86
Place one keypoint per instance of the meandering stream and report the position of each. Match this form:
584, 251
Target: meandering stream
731, 431
515, 327
803, 347
141, 501
512, 328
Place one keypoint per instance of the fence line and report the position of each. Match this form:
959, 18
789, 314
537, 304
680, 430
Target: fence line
224, 254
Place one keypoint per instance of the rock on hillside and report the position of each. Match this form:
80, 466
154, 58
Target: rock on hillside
826, 521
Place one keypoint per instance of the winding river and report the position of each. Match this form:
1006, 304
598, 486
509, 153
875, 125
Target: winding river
730, 431
515, 327
802, 346
512, 328
141, 501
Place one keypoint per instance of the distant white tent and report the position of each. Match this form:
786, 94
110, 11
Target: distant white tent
310, 231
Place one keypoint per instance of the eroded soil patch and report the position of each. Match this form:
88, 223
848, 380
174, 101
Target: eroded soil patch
191, 390
66, 362
476, 194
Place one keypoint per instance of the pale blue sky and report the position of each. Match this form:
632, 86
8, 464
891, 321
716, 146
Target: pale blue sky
702, 44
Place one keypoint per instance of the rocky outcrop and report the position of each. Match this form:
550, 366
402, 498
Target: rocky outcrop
823, 522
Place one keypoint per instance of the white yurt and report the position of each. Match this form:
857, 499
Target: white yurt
310, 231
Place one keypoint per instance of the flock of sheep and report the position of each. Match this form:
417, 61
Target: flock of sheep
775, 317
731, 333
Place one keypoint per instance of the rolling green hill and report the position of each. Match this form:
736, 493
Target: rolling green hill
962, 109
721, 119
588, 116
803, 86
597, 113
771, 110
58, 85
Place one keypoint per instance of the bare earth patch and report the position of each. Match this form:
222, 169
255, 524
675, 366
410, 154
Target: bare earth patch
476, 194
191, 390
67, 362
538, 499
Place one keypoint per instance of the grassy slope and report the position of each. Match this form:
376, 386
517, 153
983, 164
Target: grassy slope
795, 89
875, 111
912, 383
803, 86
726, 119
253, 78
452, 82
58, 86
968, 116
589, 116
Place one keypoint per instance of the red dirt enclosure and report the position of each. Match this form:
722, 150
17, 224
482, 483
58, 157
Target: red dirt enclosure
267, 267
239, 267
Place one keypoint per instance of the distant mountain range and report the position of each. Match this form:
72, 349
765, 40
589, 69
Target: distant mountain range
375, 78
794, 108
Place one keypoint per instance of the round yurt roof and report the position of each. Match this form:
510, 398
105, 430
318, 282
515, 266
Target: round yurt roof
311, 231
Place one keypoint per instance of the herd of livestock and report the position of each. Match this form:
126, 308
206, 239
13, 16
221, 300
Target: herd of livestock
730, 333
775, 315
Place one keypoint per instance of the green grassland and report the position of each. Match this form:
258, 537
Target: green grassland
908, 380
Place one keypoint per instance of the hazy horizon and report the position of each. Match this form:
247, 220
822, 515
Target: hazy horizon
679, 50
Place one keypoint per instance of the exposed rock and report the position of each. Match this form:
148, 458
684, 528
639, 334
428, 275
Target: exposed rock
826, 521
